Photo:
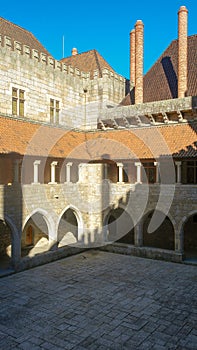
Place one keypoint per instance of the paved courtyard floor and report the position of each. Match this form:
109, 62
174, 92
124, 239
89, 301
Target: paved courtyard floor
100, 300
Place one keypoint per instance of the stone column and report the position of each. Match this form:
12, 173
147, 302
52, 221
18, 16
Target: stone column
139, 172
16, 170
179, 241
53, 165
120, 172
156, 164
105, 175
138, 234
36, 164
178, 177
139, 52
68, 166
16, 250
182, 51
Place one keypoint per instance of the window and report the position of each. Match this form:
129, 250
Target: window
191, 172
54, 111
149, 173
18, 102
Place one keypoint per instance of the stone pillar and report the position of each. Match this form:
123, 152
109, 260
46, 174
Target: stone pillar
16, 250
182, 51
53, 165
139, 172
105, 171
138, 234
120, 172
68, 166
132, 58
16, 170
178, 176
156, 164
36, 177
139, 52
179, 239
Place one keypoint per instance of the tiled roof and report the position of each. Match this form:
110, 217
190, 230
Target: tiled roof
160, 82
88, 62
17, 33
21, 138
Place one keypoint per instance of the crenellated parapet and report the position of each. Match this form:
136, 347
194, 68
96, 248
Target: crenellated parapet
107, 74
34, 54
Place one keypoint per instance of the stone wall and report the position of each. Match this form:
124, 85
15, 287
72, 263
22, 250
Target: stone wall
43, 78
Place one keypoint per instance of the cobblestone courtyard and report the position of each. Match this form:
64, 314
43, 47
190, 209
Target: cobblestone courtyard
99, 300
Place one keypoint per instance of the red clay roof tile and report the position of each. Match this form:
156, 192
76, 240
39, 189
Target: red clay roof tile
20, 137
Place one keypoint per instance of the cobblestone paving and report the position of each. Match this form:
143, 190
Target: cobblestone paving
99, 300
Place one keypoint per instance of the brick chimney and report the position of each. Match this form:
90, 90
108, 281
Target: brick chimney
74, 51
132, 58
139, 49
182, 51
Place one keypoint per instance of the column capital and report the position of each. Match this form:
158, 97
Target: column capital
138, 164
178, 163
54, 163
37, 162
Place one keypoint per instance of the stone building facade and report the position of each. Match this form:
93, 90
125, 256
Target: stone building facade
85, 163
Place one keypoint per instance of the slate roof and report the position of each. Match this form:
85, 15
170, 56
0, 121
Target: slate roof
160, 82
17, 33
88, 61
21, 138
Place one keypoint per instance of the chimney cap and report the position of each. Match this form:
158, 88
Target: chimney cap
74, 51
139, 23
183, 9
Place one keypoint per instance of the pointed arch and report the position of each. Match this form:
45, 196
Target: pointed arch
69, 226
188, 235
162, 237
37, 230
118, 226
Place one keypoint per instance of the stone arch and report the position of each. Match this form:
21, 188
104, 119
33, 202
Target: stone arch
8, 241
119, 226
189, 235
162, 237
37, 230
69, 226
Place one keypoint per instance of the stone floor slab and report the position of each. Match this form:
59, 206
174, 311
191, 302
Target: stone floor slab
99, 300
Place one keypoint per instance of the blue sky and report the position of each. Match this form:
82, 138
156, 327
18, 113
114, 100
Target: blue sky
103, 25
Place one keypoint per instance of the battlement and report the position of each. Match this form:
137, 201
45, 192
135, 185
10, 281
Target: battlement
34, 54
49, 61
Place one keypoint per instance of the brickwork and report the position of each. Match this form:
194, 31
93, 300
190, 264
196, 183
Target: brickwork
182, 51
139, 56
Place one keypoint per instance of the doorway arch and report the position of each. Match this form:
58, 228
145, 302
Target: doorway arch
35, 235
70, 227
163, 236
5, 245
190, 236
120, 227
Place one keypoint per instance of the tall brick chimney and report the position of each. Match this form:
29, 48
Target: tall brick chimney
132, 58
182, 51
139, 52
